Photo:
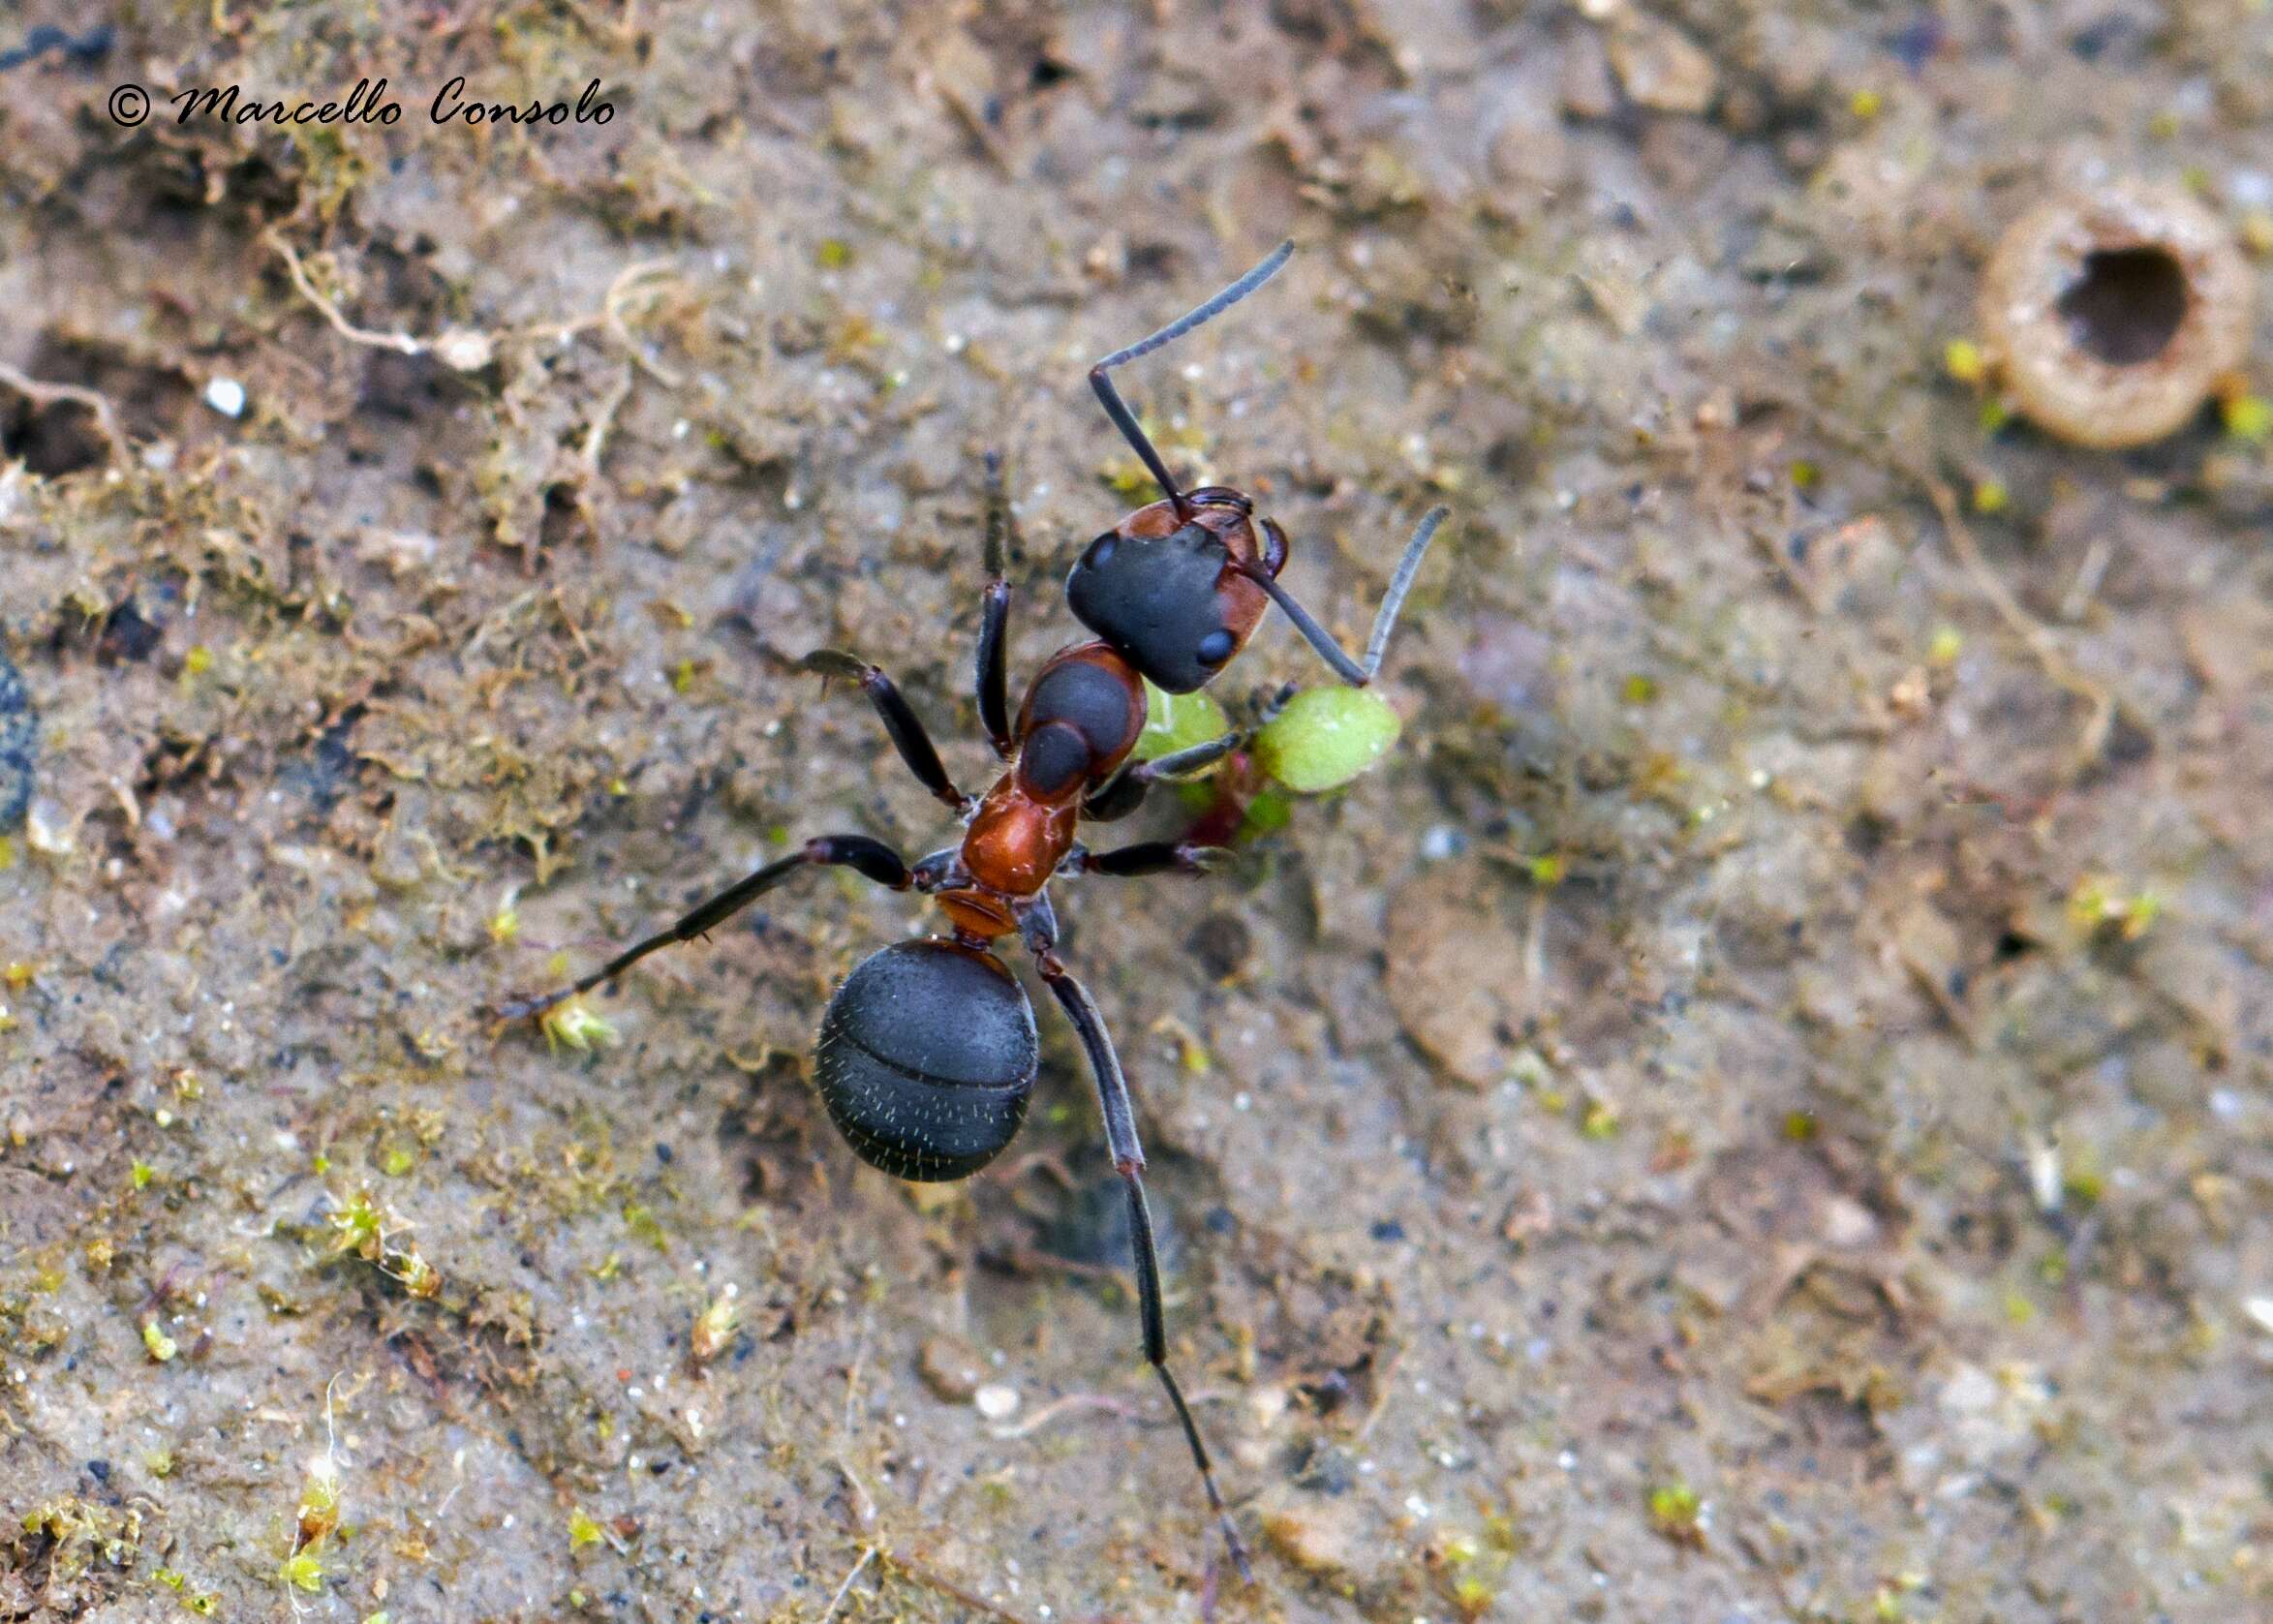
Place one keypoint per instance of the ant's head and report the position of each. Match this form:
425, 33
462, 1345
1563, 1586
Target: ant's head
1172, 588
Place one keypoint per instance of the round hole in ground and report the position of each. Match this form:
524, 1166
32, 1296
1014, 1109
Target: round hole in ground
2127, 304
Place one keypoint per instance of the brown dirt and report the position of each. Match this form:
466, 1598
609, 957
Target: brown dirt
1845, 1191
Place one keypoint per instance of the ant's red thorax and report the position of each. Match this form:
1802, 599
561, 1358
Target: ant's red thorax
1079, 722
1016, 841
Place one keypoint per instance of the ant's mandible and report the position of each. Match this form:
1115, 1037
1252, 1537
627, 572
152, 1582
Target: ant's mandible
927, 1051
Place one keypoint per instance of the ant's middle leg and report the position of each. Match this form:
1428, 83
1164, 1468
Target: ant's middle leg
871, 857
1145, 857
900, 720
994, 675
1354, 672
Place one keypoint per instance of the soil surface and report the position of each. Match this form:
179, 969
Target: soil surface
1759, 1108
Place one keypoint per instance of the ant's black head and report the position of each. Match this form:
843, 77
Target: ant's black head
1172, 601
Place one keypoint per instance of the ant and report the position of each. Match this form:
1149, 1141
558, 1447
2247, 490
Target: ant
927, 1050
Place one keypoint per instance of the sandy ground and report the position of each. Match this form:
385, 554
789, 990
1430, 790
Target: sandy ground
1760, 1110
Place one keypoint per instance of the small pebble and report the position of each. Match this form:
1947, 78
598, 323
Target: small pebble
227, 396
951, 1367
463, 349
1318, 1536
1661, 68
997, 1401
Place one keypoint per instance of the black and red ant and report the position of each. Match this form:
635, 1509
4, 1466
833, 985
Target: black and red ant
927, 1051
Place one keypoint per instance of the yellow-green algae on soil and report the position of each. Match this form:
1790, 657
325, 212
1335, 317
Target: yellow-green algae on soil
1757, 1110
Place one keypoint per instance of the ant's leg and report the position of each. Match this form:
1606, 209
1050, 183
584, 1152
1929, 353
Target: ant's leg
1384, 622
994, 677
1145, 857
1128, 1159
873, 858
1124, 790
1117, 409
899, 720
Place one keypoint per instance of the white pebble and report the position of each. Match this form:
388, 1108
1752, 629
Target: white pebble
995, 1402
227, 396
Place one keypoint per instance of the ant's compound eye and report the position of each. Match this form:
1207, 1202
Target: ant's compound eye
1216, 647
1101, 551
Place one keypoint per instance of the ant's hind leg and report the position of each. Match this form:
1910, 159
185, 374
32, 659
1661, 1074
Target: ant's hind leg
994, 675
871, 857
900, 720
1128, 1160
1351, 671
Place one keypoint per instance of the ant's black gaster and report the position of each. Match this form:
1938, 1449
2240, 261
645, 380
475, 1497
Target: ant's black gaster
927, 1053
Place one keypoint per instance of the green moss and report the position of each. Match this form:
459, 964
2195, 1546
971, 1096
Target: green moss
303, 1571
1675, 1511
640, 1220
2249, 419
574, 1025
355, 1226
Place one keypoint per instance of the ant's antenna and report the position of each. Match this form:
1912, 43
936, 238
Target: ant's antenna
1400, 583
1384, 623
1117, 409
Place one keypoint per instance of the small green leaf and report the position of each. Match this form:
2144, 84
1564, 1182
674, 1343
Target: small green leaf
1324, 737
1175, 722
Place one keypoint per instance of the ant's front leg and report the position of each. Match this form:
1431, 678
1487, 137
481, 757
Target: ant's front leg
994, 675
900, 720
1125, 791
1354, 672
